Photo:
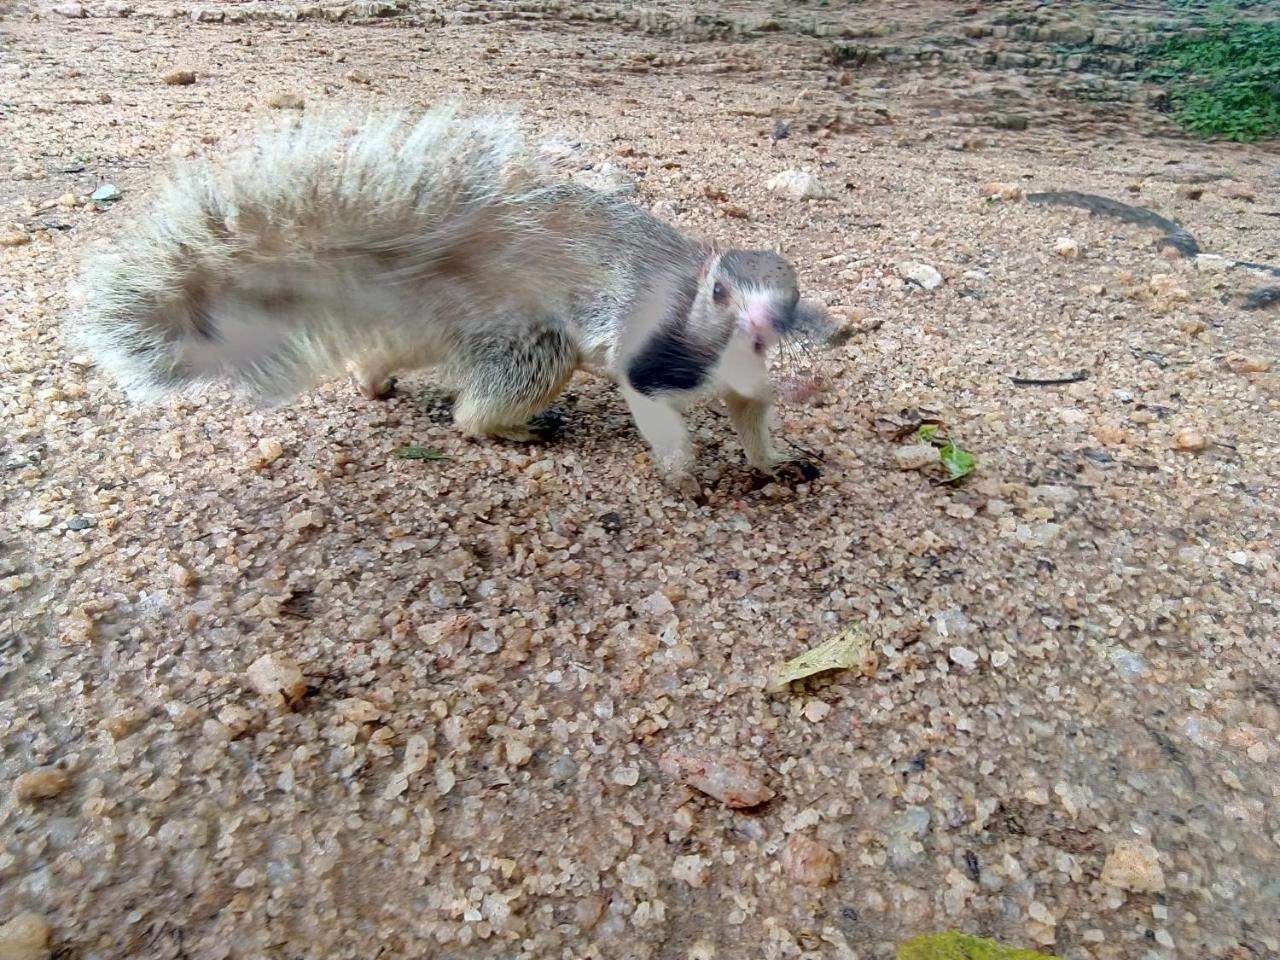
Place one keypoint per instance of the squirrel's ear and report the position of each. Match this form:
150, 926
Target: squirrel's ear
710, 253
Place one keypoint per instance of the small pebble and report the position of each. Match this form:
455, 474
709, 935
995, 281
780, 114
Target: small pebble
1213, 263
1246, 363
40, 521
14, 238
808, 862
286, 101
43, 783
963, 656
25, 937
72, 11
816, 710
182, 576
178, 78
1066, 248
627, 776
921, 274
1005, 191
518, 751
1234, 190
304, 519
916, 456
273, 675
1133, 865
726, 778
1190, 439
691, 869
269, 451
16, 582
798, 185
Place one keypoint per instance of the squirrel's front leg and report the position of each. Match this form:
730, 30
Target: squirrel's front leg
663, 429
750, 418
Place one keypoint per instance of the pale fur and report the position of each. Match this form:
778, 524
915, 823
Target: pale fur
389, 243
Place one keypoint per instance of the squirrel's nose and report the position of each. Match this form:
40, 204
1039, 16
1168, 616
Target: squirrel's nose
758, 321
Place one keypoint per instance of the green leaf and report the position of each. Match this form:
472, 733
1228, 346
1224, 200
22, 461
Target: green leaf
420, 453
959, 463
839, 653
106, 193
927, 431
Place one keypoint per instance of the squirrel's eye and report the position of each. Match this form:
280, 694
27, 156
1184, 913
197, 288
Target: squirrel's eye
719, 294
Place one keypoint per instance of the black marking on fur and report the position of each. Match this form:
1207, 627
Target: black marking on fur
669, 362
202, 323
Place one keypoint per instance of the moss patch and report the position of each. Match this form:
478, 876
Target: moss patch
963, 946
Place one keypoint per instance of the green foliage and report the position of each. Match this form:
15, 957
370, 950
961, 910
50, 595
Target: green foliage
420, 453
956, 461
959, 463
1226, 82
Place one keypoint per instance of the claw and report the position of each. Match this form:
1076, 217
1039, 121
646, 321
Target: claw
798, 471
548, 425
374, 391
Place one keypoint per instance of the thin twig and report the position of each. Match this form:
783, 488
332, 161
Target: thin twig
1049, 381
807, 453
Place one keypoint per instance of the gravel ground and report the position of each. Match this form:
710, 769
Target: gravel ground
269, 690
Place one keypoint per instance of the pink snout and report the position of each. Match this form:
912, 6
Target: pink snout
757, 323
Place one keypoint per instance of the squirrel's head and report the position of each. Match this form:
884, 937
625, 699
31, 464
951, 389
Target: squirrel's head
754, 297
742, 303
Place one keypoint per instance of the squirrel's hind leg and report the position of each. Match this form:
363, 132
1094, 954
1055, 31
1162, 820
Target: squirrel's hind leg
373, 373
505, 383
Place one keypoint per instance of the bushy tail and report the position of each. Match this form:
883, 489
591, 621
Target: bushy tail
322, 238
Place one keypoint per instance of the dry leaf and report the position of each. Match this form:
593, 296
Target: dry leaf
849, 649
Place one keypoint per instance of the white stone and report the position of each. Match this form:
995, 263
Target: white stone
1213, 263
798, 185
922, 274
915, 456
1134, 865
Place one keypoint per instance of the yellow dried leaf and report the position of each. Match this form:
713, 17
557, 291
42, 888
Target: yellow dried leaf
849, 649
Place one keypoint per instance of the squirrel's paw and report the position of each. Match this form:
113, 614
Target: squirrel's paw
683, 483
548, 425
372, 389
797, 471
676, 471
545, 427
789, 468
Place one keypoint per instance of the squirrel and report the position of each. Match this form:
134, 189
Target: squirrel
393, 242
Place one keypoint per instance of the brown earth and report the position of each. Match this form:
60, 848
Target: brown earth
1077, 646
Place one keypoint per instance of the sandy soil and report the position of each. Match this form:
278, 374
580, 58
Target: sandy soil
1077, 659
